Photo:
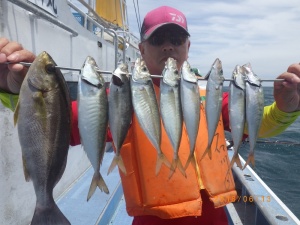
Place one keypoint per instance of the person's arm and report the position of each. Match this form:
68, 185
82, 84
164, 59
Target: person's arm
275, 121
9, 100
286, 108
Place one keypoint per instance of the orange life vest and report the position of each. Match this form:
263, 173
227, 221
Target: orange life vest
148, 194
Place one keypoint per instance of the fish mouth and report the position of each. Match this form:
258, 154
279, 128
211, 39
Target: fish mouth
165, 58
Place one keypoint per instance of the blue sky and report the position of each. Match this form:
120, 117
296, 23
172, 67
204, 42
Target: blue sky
265, 33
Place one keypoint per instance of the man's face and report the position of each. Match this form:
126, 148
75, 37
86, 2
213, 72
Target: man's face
167, 41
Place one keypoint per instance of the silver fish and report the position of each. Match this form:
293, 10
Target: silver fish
93, 119
170, 109
43, 115
190, 101
237, 111
213, 105
254, 109
120, 112
146, 109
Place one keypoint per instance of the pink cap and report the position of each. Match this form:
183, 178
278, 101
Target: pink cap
162, 16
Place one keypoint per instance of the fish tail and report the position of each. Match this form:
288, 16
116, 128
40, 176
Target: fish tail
176, 163
102, 185
49, 215
117, 160
207, 151
191, 160
236, 159
160, 160
250, 160
97, 181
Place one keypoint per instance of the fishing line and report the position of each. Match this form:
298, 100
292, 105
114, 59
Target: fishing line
277, 142
230, 142
110, 72
137, 15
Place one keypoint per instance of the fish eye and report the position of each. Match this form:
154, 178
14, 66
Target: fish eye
50, 68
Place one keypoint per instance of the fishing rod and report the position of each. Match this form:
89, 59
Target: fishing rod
275, 142
110, 72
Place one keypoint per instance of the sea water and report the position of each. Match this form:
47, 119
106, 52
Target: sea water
277, 161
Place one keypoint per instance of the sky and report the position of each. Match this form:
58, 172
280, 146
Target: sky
264, 33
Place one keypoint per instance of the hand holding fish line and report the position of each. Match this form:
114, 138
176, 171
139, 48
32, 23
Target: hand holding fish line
287, 93
12, 76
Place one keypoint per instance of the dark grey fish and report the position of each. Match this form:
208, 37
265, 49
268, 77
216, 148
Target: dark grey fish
120, 112
43, 115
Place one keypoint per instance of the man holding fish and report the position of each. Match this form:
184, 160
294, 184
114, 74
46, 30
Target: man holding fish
157, 198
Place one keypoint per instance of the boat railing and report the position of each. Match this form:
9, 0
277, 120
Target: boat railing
42, 14
91, 22
96, 25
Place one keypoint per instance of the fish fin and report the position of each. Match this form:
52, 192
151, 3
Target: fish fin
207, 151
236, 159
49, 215
102, 185
160, 160
176, 163
26, 174
117, 160
97, 181
250, 160
180, 167
16, 113
40, 107
191, 160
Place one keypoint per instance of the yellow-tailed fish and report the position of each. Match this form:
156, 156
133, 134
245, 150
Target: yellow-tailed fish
170, 109
254, 109
146, 109
213, 105
237, 111
120, 112
93, 119
190, 101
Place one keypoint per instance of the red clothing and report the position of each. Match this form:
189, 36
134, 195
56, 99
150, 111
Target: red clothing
225, 114
210, 216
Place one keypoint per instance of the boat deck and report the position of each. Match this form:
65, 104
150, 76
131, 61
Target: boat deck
103, 209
